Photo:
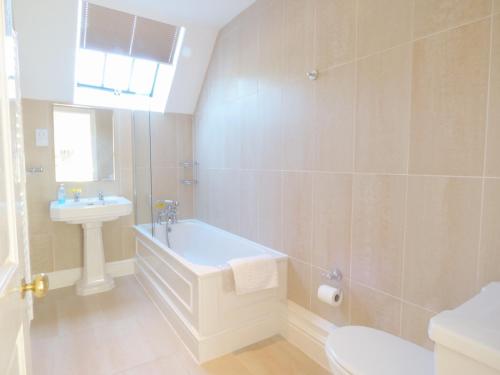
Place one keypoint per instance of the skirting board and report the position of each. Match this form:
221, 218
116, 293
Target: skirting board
307, 331
65, 278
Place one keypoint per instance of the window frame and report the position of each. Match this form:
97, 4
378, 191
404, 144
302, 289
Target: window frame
128, 91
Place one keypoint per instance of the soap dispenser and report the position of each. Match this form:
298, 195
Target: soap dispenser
61, 194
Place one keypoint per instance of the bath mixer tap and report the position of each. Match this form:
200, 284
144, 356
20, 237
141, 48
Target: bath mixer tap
100, 196
167, 211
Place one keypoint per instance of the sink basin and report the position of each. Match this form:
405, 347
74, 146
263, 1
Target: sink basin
91, 213
89, 210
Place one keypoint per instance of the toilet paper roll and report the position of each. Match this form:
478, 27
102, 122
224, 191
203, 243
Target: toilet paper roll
330, 295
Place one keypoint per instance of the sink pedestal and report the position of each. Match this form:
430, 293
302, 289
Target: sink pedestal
94, 278
90, 213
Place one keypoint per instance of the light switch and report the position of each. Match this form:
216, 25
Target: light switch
42, 137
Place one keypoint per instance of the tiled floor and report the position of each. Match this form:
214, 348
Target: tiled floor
121, 332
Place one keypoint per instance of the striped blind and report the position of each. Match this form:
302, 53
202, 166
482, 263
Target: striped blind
112, 31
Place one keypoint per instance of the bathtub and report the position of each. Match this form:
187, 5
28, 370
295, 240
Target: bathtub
193, 286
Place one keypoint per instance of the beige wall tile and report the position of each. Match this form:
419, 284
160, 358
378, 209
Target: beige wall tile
112, 240
163, 140
297, 215
185, 196
450, 76
271, 124
489, 255
378, 231
496, 6
334, 119
415, 325
299, 282
299, 36
270, 209
442, 241
123, 128
298, 131
432, 16
335, 32
165, 182
128, 242
383, 24
230, 135
339, 314
271, 44
184, 131
41, 253
374, 309
332, 196
68, 246
249, 211
251, 133
383, 111
223, 193
248, 57
493, 140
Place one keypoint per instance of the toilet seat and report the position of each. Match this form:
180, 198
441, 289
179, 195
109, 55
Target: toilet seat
356, 350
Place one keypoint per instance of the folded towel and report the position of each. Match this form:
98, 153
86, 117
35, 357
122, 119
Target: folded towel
254, 273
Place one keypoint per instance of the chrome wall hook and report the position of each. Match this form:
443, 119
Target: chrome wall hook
312, 75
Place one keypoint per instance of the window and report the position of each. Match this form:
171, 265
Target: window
125, 61
74, 144
116, 73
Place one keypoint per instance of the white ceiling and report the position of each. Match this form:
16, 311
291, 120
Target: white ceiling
47, 33
208, 13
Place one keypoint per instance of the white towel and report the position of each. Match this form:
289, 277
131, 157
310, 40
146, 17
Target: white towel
254, 273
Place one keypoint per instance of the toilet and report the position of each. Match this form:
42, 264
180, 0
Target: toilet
467, 342
354, 350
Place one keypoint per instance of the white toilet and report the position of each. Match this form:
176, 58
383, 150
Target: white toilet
467, 342
356, 350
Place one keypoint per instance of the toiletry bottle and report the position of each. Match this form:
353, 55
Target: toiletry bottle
61, 194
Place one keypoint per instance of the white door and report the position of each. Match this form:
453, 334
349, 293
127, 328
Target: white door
15, 311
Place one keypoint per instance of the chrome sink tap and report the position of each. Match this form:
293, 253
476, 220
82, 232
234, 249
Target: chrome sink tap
100, 196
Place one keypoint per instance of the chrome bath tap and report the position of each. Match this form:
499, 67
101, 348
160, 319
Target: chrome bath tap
167, 211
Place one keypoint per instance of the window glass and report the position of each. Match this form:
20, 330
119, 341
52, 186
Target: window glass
117, 72
90, 67
143, 76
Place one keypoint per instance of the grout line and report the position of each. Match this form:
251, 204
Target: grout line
410, 41
452, 28
356, 173
353, 165
485, 154
407, 187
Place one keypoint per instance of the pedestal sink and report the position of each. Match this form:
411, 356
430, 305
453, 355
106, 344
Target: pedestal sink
90, 213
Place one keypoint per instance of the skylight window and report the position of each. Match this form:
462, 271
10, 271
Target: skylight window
124, 60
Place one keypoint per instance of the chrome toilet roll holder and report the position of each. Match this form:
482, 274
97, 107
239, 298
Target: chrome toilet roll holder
333, 275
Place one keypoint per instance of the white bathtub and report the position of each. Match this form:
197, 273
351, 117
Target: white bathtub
193, 285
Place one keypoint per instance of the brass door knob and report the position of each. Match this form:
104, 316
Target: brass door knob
39, 286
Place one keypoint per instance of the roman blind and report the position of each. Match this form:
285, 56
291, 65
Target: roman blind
112, 31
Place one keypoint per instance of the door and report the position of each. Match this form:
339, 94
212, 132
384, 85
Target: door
15, 309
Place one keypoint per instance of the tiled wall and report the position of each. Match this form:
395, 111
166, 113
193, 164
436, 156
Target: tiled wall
387, 166
161, 143
58, 246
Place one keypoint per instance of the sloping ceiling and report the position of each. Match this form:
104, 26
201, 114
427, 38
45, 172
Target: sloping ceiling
47, 34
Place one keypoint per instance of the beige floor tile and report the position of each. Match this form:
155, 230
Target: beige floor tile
122, 332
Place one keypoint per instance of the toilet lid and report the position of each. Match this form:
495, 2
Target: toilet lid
367, 351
